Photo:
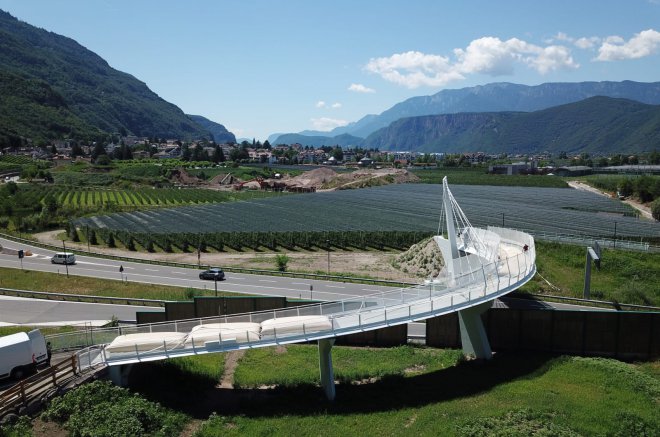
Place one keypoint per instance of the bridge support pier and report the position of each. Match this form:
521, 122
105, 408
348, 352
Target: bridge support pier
119, 374
473, 334
325, 365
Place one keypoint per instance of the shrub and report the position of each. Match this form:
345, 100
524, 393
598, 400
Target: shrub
655, 209
281, 262
101, 409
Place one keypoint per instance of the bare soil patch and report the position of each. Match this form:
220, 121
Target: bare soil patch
231, 362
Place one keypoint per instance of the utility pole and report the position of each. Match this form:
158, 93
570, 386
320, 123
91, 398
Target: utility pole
327, 244
66, 262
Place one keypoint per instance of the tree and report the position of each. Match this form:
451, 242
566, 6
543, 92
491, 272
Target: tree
338, 153
103, 160
655, 209
76, 150
281, 261
99, 149
219, 155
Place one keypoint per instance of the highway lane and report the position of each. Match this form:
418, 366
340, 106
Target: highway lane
157, 274
42, 312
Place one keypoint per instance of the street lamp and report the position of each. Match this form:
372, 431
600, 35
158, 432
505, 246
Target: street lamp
215, 281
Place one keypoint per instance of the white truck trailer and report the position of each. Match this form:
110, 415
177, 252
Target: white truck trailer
21, 353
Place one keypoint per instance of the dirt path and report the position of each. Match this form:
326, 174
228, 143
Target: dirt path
231, 363
644, 210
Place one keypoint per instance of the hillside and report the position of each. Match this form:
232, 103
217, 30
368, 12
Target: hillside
594, 125
344, 140
85, 90
219, 132
497, 97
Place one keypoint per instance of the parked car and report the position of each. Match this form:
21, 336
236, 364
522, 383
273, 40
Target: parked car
63, 258
212, 274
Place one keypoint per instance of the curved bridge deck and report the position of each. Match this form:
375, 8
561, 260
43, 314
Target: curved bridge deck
473, 286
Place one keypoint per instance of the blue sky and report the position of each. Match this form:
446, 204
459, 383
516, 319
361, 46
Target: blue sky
260, 67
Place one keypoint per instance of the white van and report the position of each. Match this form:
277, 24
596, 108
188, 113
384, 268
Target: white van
63, 258
21, 353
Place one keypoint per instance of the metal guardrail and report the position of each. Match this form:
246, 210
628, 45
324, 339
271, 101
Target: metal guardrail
585, 302
81, 297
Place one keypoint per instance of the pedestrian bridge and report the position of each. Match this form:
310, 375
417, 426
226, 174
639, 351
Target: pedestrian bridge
480, 266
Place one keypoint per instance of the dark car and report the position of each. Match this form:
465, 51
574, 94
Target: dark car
212, 274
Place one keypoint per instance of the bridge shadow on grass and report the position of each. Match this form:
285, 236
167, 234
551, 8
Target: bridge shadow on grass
196, 398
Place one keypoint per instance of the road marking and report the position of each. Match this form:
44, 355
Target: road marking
300, 283
102, 265
334, 286
179, 273
151, 270
265, 280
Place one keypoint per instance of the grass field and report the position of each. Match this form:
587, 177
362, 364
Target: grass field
405, 391
624, 276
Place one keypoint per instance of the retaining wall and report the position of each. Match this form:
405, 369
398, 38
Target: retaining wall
618, 334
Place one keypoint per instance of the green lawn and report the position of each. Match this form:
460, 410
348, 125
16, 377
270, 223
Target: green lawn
406, 391
624, 276
513, 395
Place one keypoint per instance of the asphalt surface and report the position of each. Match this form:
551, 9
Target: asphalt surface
182, 277
44, 312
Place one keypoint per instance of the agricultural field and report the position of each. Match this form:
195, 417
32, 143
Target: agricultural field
34, 207
480, 176
394, 216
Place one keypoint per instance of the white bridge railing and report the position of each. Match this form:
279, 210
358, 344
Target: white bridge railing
323, 320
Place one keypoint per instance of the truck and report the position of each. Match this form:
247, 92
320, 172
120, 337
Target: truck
22, 353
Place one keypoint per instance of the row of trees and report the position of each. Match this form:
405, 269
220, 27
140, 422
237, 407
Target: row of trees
220, 241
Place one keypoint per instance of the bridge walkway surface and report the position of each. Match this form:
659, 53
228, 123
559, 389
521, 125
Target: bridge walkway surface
480, 266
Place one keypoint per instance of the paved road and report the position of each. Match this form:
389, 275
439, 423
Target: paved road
157, 274
27, 311
41, 312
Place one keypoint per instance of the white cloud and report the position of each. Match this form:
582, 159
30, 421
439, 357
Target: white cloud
327, 124
336, 105
643, 44
488, 55
359, 88
413, 69
587, 42
561, 36
320, 104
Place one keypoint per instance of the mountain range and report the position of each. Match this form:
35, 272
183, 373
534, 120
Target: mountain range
494, 97
52, 87
601, 125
